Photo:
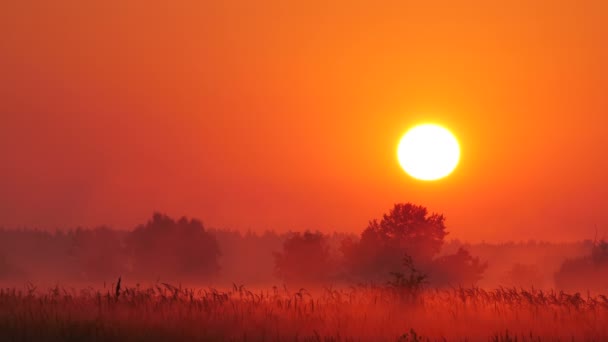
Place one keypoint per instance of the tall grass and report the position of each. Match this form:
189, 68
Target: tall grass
163, 312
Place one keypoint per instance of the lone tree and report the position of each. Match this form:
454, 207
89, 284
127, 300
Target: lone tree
407, 229
305, 258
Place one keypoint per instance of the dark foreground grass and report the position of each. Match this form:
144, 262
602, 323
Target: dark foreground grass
167, 313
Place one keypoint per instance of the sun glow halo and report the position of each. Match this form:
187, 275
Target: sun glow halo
428, 152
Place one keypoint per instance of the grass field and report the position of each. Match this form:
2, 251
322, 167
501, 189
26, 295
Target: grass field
166, 313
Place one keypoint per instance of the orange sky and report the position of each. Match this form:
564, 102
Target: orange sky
286, 114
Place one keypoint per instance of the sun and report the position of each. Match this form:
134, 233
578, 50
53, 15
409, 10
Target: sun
428, 152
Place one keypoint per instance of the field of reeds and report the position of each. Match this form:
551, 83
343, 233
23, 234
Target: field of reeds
164, 312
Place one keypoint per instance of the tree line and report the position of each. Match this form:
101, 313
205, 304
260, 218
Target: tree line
408, 242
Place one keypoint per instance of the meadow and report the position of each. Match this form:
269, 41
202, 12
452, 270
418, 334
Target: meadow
163, 312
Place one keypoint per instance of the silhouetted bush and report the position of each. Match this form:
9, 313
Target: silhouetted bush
599, 254
408, 285
305, 258
173, 249
585, 273
456, 269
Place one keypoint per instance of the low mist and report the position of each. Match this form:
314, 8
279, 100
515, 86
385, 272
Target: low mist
408, 241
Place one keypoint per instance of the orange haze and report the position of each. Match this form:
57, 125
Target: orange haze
286, 115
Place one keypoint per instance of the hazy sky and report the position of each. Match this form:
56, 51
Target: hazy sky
286, 114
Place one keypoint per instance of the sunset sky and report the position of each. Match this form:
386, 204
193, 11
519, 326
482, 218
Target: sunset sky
287, 114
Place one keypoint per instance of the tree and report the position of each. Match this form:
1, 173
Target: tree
305, 258
456, 269
586, 273
599, 254
98, 253
7, 269
175, 250
407, 230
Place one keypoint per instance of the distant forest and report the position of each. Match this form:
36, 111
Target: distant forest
405, 241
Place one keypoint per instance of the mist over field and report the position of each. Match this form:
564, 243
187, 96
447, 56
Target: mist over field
399, 280
183, 251
335, 171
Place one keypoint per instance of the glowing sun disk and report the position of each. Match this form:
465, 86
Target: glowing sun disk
428, 152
